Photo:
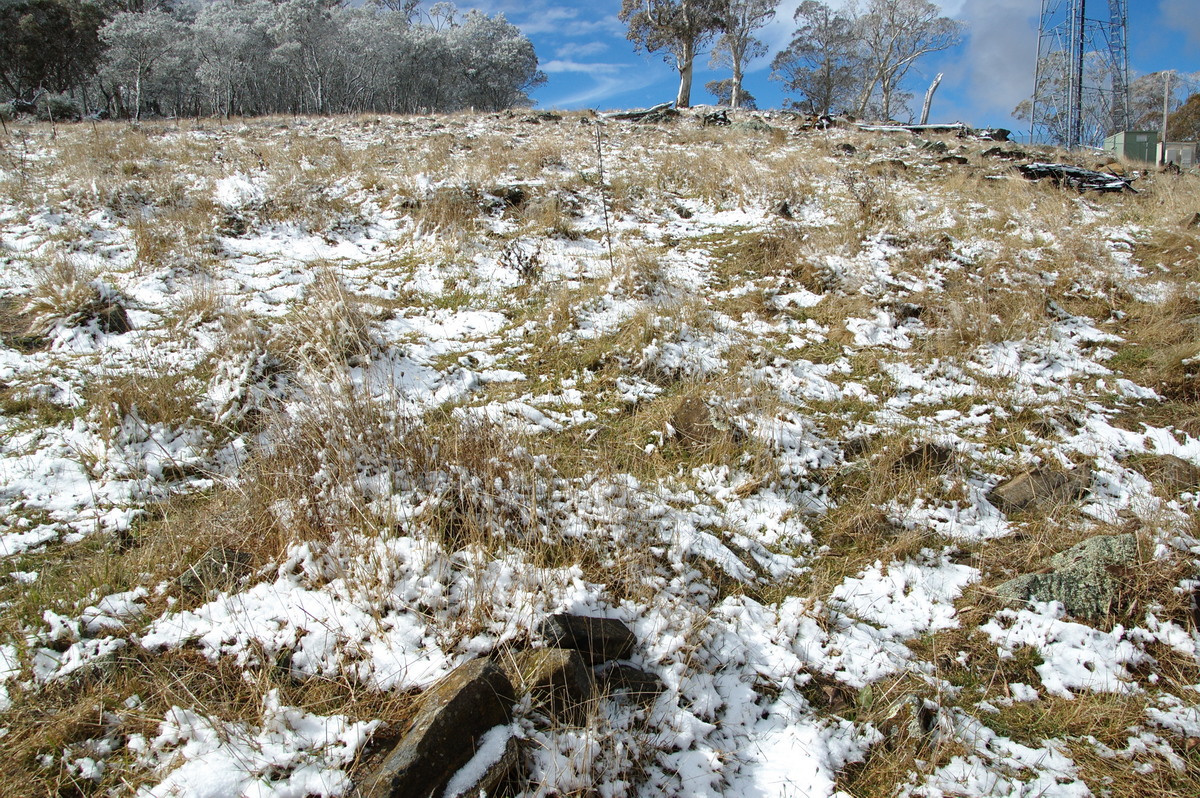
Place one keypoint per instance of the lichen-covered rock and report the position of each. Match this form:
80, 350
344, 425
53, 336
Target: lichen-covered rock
1041, 490
557, 680
1084, 578
597, 639
452, 717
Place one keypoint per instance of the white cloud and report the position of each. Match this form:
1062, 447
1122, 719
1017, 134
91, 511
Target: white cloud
580, 50
563, 65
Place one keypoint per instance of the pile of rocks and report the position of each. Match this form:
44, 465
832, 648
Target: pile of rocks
460, 740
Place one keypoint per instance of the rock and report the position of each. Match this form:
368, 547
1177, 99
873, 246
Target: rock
753, 125
510, 196
1005, 154
954, 159
938, 147
887, 167
1173, 474
557, 679
1191, 222
693, 422
638, 685
219, 568
926, 457
495, 773
716, 119
539, 118
445, 732
1081, 577
845, 148
1040, 490
597, 639
783, 209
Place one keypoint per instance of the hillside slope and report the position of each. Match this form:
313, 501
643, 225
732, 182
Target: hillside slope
888, 458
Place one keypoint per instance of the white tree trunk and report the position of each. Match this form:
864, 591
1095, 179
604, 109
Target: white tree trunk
735, 91
685, 63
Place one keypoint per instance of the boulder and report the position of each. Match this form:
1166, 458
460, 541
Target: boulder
450, 719
597, 639
557, 679
489, 769
844, 148
636, 684
1040, 491
956, 160
1080, 578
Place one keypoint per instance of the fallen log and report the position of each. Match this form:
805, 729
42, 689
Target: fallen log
638, 114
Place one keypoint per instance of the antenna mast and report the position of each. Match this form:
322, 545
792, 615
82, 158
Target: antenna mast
1081, 86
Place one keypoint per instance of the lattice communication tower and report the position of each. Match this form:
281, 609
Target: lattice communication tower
1081, 87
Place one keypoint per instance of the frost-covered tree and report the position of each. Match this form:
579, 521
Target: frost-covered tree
231, 44
822, 63
739, 20
48, 45
136, 43
680, 27
893, 35
498, 63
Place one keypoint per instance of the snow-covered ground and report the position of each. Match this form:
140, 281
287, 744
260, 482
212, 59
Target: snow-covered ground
426, 413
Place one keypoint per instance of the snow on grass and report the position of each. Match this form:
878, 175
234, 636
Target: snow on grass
903, 310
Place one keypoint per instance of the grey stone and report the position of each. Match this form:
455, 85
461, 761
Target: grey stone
597, 639
1081, 578
557, 680
1040, 490
445, 731
956, 160
639, 685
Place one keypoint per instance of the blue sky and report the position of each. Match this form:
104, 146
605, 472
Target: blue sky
590, 64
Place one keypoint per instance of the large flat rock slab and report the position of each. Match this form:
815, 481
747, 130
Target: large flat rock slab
1084, 578
452, 718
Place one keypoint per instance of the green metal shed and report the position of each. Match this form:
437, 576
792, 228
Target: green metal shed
1136, 145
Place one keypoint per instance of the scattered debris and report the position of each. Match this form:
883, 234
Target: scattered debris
1075, 177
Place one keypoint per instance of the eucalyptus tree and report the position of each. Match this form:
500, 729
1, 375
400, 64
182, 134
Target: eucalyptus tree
821, 63
893, 35
137, 42
737, 45
680, 27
